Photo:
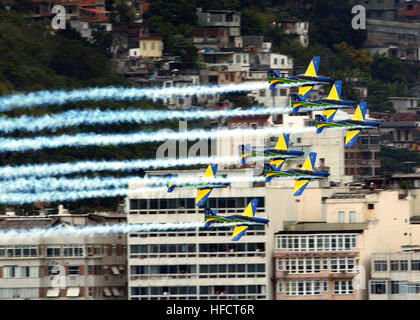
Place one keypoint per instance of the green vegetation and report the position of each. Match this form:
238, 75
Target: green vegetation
33, 58
398, 160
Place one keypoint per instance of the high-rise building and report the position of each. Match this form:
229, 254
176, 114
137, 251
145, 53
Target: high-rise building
199, 263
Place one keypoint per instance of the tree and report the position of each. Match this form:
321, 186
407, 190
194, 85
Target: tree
252, 22
331, 23
387, 69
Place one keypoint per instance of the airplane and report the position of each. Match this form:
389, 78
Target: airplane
278, 154
203, 188
248, 216
332, 101
302, 175
356, 123
311, 74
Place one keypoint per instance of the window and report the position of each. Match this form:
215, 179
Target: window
325, 285
371, 206
343, 287
377, 287
340, 216
279, 264
415, 265
275, 61
20, 272
73, 270
395, 287
53, 251
380, 265
73, 250
352, 216
394, 265
403, 265
302, 287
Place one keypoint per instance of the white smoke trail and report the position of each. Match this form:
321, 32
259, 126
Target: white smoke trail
97, 116
33, 185
117, 228
13, 144
79, 140
53, 196
120, 94
51, 169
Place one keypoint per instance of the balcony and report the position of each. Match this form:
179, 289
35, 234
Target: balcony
323, 274
283, 253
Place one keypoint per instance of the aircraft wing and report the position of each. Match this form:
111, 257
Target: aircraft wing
238, 232
202, 195
300, 185
351, 137
277, 164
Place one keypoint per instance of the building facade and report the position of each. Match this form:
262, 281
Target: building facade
199, 263
395, 276
72, 267
315, 265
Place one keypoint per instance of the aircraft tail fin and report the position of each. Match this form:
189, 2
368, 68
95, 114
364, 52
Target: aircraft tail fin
211, 171
335, 92
309, 163
312, 69
360, 112
283, 142
250, 209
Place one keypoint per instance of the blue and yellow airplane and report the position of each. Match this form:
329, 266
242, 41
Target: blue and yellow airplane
302, 175
332, 101
356, 123
203, 188
248, 216
277, 155
310, 75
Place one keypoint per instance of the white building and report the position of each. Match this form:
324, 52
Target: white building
395, 276
199, 263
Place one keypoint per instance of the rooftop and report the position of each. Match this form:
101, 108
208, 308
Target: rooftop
348, 195
8, 222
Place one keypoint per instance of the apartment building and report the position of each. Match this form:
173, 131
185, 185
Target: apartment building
393, 39
316, 264
380, 220
226, 19
395, 276
56, 267
199, 263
